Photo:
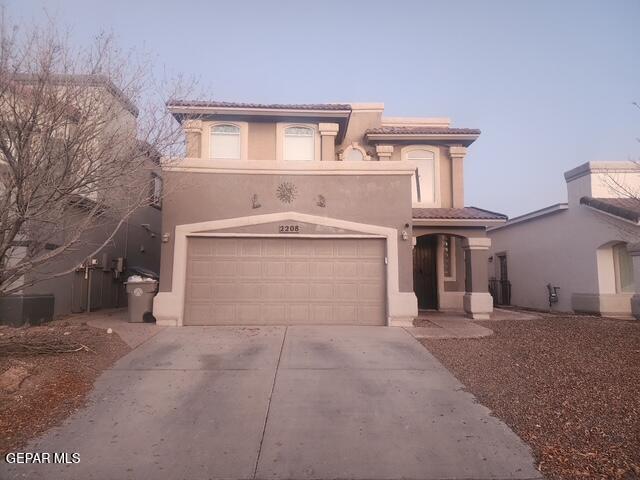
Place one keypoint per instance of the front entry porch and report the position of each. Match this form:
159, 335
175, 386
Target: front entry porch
450, 270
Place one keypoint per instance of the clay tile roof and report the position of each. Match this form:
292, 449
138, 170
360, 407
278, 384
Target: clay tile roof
422, 131
626, 208
267, 106
466, 213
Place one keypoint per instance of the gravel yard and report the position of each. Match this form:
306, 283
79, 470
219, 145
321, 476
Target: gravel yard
39, 387
569, 386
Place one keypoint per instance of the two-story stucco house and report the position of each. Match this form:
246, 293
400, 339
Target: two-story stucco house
95, 280
318, 214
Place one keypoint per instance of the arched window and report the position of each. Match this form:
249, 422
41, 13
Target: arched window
225, 142
423, 185
354, 153
299, 143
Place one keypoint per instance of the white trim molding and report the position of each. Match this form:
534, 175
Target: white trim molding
280, 129
404, 153
205, 139
254, 167
168, 307
354, 146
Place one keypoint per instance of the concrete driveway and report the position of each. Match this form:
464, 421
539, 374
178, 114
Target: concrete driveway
281, 403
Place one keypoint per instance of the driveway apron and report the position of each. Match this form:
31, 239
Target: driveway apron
281, 403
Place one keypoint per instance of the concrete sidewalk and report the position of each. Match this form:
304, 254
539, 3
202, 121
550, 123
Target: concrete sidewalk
281, 403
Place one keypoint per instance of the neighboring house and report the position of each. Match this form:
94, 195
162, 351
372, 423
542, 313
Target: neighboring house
318, 214
580, 247
97, 282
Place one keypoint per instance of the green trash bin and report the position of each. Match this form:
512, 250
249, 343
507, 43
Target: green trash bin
140, 298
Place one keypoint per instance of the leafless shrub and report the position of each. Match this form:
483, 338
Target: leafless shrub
81, 130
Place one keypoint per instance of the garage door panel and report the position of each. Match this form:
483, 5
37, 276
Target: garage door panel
345, 269
345, 248
321, 291
298, 313
250, 269
195, 310
299, 269
300, 249
222, 249
250, 247
368, 250
368, 291
372, 270
200, 291
273, 291
345, 291
235, 281
345, 313
322, 269
224, 268
271, 269
321, 248
247, 312
274, 247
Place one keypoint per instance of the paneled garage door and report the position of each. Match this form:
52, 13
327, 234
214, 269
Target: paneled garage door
285, 281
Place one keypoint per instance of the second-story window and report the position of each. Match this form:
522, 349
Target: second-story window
225, 142
299, 143
423, 186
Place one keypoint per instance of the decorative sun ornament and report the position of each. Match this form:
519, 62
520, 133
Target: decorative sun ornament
286, 192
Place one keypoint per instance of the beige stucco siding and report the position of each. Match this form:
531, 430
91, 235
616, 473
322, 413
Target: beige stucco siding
262, 141
561, 249
383, 200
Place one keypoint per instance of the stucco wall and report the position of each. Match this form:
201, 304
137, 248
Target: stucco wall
559, 248
262, 141
383, 200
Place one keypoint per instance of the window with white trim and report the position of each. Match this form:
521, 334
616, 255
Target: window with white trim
299, 143
624, 269
423, 185
225, 142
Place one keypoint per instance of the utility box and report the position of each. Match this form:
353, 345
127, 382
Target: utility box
19, 310
140, 296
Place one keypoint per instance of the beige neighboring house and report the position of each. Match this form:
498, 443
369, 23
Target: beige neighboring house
318, 214
97, 281
584, 247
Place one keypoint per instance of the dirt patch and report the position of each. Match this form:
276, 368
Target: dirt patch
39, 390
568, 386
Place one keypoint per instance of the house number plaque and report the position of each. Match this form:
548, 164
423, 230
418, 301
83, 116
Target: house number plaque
289, 228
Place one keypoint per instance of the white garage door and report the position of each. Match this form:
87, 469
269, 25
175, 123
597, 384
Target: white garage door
285, 281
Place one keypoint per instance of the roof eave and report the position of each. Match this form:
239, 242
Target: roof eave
464, 222
613, 215
461, 137
289, 112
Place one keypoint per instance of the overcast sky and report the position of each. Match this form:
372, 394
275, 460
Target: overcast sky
549, 83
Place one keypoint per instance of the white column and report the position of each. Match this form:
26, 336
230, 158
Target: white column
328, 132
477, 301
457, 154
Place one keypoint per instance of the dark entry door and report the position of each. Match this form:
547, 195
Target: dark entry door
425, 278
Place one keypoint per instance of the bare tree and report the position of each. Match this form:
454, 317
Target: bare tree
75, 151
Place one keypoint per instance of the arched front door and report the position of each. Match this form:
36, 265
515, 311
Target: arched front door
425, 276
